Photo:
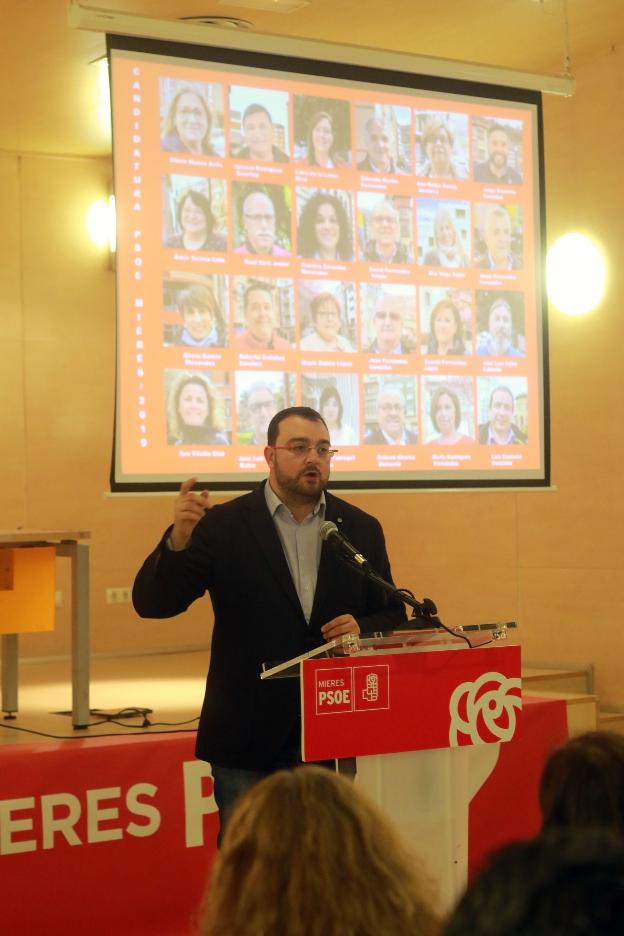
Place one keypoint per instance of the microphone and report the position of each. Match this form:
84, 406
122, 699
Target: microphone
329, 532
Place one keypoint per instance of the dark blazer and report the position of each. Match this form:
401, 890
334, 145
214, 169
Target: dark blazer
236, 554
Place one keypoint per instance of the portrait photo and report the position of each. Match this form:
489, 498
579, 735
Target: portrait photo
383, 138
441, 139
444, 233
390, 410
195, 309
448, 410
336, 397
191, 117
322, 131
327, 315
446, 325
198, 407
385, 228
194, 213
259, 124
388, 314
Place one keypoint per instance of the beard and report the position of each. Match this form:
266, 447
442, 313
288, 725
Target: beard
305, 487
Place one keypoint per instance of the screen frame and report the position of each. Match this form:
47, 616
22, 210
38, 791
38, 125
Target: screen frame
371, 73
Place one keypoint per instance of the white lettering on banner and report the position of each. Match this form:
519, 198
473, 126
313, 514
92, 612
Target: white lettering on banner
8, 826
196, 803
61, 812
63, 824
95, 815
496, 704
148, 810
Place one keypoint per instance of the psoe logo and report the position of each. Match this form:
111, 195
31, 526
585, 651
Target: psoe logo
371, 687
484, 711
334, 691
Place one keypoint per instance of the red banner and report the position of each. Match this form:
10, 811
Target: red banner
106, 835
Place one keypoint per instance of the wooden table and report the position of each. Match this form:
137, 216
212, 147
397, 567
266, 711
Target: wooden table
66, 544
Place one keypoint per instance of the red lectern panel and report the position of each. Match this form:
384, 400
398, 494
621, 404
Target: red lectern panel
383, 703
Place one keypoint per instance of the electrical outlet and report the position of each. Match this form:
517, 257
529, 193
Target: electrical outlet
121, 595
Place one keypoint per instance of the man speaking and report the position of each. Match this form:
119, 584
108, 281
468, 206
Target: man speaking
277, 591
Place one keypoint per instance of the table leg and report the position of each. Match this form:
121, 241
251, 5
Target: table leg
8, 674
78, 553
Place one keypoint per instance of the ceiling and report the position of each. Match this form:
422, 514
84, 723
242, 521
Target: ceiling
48, 105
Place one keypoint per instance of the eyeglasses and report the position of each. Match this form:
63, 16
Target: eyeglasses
261, 218
395, 316
300, 449
438, 139
384, 219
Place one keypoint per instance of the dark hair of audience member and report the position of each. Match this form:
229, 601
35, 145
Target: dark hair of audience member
568, 882
306, 853
583, 783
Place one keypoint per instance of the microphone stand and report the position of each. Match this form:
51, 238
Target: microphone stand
424, 613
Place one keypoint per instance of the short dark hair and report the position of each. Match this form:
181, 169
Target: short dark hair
255, 109
563, 883
257, 286
583, 783
305, 412
497, 128
502, 388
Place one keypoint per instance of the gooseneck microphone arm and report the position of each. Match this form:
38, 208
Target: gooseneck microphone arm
424, 611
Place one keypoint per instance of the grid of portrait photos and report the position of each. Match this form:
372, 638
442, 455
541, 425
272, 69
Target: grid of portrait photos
369, 256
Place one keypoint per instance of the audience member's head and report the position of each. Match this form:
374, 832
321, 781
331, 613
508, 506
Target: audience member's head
565, 883
305, 852
583, 783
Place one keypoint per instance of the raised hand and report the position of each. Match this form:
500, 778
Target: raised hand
188, 509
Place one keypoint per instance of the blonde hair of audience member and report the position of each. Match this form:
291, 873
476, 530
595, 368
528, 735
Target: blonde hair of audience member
305, 853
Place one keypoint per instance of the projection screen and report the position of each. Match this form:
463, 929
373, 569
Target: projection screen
362, 241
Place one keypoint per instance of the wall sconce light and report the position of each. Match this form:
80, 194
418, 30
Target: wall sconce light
576, 274
101, 224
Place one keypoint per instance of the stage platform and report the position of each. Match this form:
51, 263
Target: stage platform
171, 684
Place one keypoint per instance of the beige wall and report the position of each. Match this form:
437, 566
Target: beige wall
553, 560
